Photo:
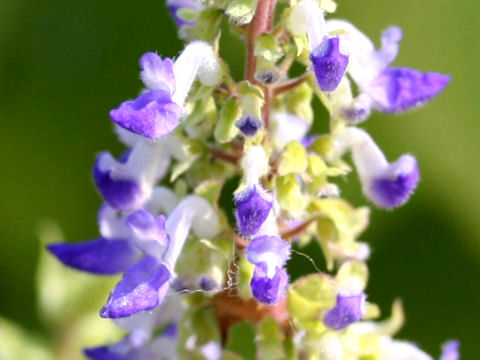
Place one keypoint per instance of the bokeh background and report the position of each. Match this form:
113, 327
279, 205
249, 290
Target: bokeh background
64, 64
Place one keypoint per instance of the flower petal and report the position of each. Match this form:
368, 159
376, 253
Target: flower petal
152, 115
99, 256
150, 232
175, 5
271, 250
248, 125
399, 89
268, 290
349, 309
122, 194
142, 287
450, 350
329, 64
157, 74
395, 185
253, 206
104, 353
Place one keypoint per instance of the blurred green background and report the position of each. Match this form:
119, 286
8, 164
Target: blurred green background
64, 64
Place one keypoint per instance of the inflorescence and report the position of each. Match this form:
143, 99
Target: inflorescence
193, 128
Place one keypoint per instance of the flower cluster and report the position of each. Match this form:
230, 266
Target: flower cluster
190, 270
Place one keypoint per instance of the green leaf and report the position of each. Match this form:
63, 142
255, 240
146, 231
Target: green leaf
302, 44
316, 165
241, 338
200, 122
244, 276
352, 275
17, 344
204, 325
251, 98
241, 11
329, 6
228, 355
289, 194
247, 88
299, 101
322, 145
207, 26
187, 14
270, 340
225, 129
182, 166
308, 299
210, 190
293, 159
268, 48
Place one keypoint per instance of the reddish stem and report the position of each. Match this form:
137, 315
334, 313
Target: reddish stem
268, 96
289, 84
261, 23
298, 229
222, 155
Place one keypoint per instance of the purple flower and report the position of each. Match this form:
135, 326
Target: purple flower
391, 90
142, 288
175, 5
157, 112
268, 290
111, 253
140, 345
349, 309
100, 256
450, 350
253, 206
289, 127
152, 115
248, 125
207, 283
269, 254
399, 89
387, 185
122, 194
150, 233
105, 353
329, 64
358, 110
157, 74
271, 250
395, 184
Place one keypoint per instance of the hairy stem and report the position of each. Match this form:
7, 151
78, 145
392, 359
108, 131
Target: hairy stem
262, 22
290, 84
